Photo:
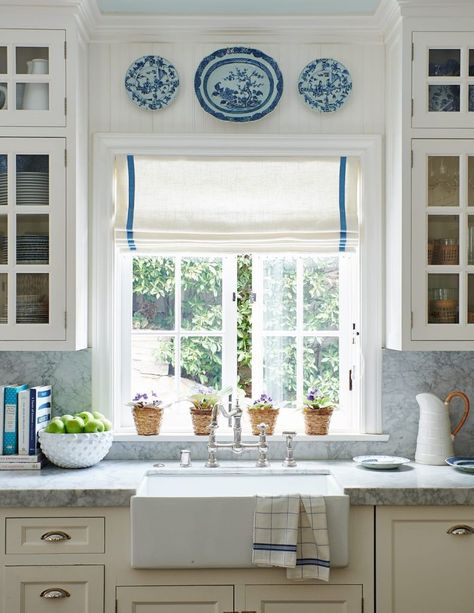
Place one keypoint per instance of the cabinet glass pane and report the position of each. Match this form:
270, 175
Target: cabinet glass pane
3, 96
153, 365
32, 180
443, 299
279, 294
443, 180
201, 281
444, 98
32, 239
471, 62
32, 60
32, 298
470, 181
279, 368
3, 239
201, 361
443, 239
3, 298
321, 366
470, 299
470, 242
32, 96
444, 63
3, 180
471, 98
321, 293
3, 60
153, 293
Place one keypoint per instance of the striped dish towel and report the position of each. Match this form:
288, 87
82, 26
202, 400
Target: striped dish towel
312, 552
275, 531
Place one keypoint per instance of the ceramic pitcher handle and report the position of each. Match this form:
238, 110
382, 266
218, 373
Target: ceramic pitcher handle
448, 399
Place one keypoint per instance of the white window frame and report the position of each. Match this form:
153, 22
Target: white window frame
368, 148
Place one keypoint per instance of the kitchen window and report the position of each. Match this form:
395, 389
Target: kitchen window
285, 254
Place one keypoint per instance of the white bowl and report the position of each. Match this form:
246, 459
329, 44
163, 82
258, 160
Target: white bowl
75, 450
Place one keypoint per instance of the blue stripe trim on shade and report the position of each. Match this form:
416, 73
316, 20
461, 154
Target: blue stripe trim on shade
342, 204
131, 202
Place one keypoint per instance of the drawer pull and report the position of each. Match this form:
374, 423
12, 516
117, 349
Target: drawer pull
55, 537
460, 530
55, 592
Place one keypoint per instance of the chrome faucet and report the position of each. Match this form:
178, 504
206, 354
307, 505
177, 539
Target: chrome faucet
236, 446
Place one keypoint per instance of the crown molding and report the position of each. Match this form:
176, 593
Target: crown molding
436, 8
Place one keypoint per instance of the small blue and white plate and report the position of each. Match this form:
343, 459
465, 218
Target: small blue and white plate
461, 463
380, 462
238, 84
152, 82
324, 84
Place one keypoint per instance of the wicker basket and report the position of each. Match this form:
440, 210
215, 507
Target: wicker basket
263, 416
201, 421
316, 421
147, 419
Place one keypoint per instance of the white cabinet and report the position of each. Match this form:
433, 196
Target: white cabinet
424, 559
32, 78
176, 599
443, 240
443, 80
32, 239
304, 598
42, 589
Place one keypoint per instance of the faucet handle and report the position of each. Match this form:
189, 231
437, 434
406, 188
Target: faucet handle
289, 460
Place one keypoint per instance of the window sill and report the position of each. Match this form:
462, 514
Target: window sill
328, 438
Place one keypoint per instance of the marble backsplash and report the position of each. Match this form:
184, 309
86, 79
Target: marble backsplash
405, 374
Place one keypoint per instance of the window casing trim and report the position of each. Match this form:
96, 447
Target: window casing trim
105, 372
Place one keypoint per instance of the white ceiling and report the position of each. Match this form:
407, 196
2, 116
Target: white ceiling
239, 7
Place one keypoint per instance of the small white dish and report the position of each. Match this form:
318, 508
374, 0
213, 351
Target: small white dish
380, 462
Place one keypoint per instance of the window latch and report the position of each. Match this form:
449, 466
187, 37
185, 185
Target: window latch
252, 297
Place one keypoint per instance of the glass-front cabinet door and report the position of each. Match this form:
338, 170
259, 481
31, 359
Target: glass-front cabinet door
32, 78
443, 80
443, 240
32, 239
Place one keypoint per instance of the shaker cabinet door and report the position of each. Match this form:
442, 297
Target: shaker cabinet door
303, 598
176, 599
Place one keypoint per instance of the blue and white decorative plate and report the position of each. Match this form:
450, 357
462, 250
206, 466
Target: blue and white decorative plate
152, 82
461, 463
380, 462
324, 84
238, 84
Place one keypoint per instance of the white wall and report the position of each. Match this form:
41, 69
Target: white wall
111, 110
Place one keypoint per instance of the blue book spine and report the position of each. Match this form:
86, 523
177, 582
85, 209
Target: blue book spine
40, 413
10, 423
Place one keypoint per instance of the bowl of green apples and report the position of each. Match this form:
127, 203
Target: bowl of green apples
77, 441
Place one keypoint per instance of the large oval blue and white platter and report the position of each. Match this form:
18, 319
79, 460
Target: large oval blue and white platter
152, 82
238, 84
324, 85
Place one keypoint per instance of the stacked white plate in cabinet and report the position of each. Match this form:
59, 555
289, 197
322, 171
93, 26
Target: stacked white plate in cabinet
31, 309
32, 249
3, 249
32, 188
3, 189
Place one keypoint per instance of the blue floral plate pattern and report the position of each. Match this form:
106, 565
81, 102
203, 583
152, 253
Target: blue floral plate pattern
152, 82
461, 463
324, 85
238, 84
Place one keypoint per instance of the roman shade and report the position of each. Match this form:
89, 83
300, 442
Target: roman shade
236, 205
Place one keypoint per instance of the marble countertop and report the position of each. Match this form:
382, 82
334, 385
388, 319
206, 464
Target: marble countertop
111, 483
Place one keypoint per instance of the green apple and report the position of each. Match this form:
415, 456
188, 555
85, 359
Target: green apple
55, 426
98, 415
65, 418
85, 415
94, 425
75, 425
107, 424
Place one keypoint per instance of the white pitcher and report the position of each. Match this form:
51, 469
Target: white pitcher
36, 95
435, 439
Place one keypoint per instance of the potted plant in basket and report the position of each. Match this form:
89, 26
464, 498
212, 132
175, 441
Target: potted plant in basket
203, 402
147, 413
317, 412
263, 411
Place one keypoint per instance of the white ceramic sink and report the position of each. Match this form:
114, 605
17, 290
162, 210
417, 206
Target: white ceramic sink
203, 518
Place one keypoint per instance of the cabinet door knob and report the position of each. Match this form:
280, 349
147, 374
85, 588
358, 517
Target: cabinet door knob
460, 530
55, 592
55, 536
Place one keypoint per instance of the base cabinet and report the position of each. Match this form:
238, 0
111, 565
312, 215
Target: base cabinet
304, 598
424, 559
42, 589
176, 599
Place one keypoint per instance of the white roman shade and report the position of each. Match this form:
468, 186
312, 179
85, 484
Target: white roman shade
236, 205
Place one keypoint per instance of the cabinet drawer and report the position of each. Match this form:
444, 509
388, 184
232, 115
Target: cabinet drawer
43, 535
42, 589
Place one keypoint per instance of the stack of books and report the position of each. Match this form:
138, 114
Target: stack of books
24, 412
